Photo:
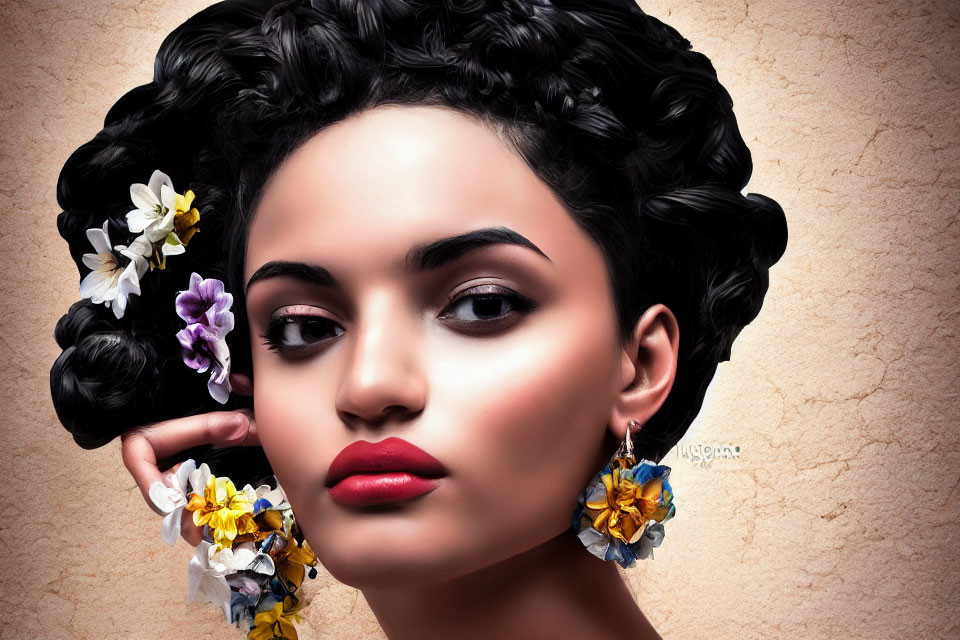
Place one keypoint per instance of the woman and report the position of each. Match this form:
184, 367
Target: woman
463, 241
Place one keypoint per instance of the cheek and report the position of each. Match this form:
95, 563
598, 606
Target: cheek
288, 424
536, 420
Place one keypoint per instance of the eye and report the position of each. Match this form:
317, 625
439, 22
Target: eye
486, 305
295, 332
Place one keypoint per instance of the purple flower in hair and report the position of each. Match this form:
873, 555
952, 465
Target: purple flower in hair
206, 302
206, 308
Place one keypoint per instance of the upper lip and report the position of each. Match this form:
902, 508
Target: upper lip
391, 454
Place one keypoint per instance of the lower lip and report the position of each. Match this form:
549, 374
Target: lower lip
366, 489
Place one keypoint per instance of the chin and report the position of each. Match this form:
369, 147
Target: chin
404, 553
392, 566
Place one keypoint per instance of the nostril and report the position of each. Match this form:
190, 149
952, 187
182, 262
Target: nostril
393, 413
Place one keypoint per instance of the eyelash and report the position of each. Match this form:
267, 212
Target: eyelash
273, 337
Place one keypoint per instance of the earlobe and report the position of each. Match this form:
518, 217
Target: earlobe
241, 384
649, 367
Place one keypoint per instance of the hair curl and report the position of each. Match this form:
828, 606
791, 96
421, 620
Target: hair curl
609, 106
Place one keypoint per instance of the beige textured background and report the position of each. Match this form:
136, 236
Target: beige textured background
838, 518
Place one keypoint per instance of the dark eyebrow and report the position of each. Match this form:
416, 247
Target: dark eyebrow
421, 257
309, 273
433, 255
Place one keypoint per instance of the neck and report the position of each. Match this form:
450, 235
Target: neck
555, 590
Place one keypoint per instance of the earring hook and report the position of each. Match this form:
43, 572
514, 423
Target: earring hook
632, 427
627, 445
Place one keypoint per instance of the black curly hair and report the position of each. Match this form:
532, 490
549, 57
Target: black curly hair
607, 105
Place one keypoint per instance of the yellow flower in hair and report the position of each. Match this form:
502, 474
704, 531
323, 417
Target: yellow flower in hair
274, 623
186, 217
225, 510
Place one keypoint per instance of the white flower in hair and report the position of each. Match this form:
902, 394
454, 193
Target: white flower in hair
156, 204
163, 215
112, 281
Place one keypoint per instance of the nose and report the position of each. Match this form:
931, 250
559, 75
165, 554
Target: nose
383, 376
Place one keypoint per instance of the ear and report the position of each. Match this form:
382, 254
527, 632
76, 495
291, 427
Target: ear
648, 369
241, 384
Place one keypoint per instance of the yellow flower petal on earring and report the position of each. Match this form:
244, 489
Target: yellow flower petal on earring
290, 563
272, 520
631, 530
599, 523
652, 488
225, 510
274, 623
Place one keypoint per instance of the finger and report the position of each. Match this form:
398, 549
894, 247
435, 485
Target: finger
189, 531
219, 428
171, 471
143, 447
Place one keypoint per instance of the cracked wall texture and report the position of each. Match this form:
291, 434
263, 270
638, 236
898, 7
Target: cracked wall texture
838, 517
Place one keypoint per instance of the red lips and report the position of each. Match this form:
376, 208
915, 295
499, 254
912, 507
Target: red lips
368, 473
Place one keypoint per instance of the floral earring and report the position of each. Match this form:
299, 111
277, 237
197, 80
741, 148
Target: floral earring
620, 514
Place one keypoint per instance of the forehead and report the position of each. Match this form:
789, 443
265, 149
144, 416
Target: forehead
367, 188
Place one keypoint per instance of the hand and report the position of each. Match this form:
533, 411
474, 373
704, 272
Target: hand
142, 447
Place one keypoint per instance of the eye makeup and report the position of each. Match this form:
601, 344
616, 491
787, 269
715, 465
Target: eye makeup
481, 309
293, 332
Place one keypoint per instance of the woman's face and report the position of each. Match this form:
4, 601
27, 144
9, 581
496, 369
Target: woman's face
499, 361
